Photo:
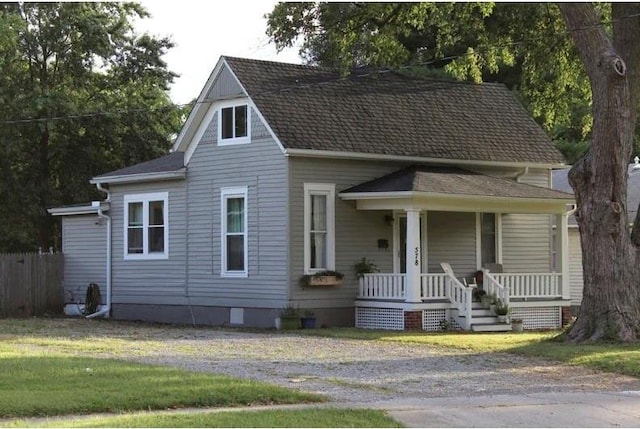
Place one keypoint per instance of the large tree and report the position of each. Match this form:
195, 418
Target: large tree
611, 300
80, 94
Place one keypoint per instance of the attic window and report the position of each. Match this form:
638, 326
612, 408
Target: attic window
233, 124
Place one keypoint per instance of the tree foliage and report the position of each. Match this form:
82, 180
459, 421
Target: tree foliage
524, 45
80, 94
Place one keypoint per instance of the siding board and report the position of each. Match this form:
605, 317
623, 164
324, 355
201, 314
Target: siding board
84, 246
261, 166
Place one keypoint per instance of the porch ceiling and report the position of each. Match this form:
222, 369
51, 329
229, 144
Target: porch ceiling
454, 189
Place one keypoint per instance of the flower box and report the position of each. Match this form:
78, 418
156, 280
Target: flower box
324, 281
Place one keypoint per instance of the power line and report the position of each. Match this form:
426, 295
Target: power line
328, 81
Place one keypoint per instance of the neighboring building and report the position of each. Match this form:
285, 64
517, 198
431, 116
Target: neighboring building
561, 183
284, 170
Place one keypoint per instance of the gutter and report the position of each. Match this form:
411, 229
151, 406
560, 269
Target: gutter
107, 308
312, 153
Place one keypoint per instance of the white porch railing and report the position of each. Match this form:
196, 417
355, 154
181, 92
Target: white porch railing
437, 286
382, 286
493, 286
530, 285
461, 298
433, 286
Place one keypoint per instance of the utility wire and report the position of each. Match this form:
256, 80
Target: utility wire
328, 81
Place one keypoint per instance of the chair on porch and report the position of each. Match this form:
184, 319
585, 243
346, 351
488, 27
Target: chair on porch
446, 267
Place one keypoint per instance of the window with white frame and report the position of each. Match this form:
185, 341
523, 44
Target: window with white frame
234, 231
234, 124
319, 227
146, 229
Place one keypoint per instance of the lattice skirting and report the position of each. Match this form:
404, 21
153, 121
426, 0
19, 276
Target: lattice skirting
380, 318
432, 319
538, 317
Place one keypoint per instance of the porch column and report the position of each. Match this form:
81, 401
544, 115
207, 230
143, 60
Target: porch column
562, 253
414, 256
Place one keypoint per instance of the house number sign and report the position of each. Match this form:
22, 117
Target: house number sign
416, 254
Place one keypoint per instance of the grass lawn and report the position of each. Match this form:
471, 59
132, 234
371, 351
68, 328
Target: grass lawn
329, 417
47, 383
613, 357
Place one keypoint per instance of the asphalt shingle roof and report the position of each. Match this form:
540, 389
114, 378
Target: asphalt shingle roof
449, 180
171, 162
388, 113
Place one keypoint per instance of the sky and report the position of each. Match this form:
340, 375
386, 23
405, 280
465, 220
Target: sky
203, 31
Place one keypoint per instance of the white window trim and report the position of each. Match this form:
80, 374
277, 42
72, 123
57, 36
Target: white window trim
235, 140
225, 194
145, 199
498, 239
328, 189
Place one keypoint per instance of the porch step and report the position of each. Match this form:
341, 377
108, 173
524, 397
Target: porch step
484, 320
481, 312
491, 327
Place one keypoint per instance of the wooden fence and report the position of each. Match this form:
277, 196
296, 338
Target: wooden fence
31, 284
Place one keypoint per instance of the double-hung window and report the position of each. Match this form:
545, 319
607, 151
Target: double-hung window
146, 231
234, 232
234, 124
319, 227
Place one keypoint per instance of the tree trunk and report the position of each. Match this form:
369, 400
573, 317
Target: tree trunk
611, 301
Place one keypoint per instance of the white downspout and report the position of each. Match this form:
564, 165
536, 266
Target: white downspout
524, 172
107, 308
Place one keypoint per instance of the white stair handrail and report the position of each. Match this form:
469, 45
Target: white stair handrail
459, 295
492, 286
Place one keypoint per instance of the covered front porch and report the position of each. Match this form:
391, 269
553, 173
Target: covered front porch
456, 232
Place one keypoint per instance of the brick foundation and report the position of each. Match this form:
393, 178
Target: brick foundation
413, 320
567, 315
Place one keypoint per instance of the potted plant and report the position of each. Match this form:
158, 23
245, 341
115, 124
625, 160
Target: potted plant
322, 278
308, 320
502, 310
493, 302
289, 318
486, 299
365, 266
517, 325
479, 295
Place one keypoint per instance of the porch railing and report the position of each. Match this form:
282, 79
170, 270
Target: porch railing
433, 286
493, 286
382, 286
461, 298
530, 285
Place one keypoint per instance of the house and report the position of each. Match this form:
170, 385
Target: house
561, 183
283, 170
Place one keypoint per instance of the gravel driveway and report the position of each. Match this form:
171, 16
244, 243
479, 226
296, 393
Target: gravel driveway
368, 371
353, 371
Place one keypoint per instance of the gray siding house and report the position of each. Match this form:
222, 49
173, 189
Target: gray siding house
285, 170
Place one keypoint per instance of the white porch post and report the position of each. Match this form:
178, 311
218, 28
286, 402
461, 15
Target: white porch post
414, 256
562, 253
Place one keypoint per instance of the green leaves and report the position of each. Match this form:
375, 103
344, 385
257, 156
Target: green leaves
80, 94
